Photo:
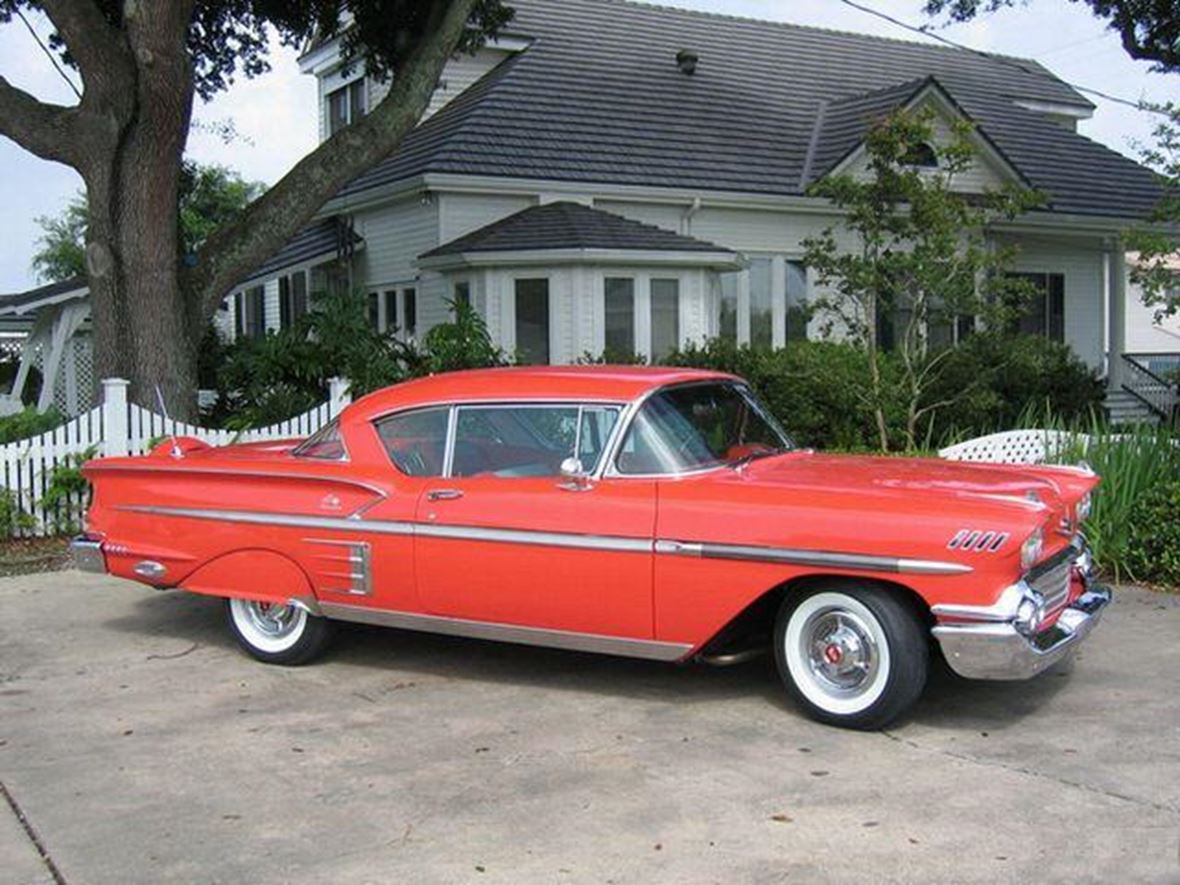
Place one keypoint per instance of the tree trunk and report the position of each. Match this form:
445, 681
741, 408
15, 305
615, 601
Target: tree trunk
142, 328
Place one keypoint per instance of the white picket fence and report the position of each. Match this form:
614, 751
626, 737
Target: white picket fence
120, 427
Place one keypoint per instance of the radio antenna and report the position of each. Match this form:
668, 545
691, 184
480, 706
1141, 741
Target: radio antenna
176, 452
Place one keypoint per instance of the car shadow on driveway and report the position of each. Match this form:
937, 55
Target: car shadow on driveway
949, 701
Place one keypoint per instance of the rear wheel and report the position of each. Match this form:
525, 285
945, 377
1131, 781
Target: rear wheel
852, 654
275, 633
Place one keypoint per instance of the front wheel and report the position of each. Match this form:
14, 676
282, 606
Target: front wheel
277, 634
852, 654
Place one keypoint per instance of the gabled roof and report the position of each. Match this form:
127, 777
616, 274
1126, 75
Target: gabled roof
598, 98
565, 225
20, 303
319, 241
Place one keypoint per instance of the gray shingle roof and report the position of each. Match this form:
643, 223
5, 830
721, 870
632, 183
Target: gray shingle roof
597, 97
17, 303
320, 238
565, 225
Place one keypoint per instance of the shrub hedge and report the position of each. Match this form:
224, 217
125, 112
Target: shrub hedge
816, 388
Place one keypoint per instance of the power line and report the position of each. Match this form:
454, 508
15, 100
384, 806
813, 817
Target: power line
49, 54
926, 32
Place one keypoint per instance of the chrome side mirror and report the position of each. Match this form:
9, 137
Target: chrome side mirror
571, 468
574, 474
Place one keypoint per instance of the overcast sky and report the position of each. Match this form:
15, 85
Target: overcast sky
276, 118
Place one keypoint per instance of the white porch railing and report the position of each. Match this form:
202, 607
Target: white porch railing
120, 427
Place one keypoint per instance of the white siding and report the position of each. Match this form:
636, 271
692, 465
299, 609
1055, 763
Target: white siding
460, 72
1080, 261
1144, 334
395, 235
658, 214
460, 214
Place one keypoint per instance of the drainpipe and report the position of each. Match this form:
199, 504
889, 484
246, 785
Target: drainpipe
686, 218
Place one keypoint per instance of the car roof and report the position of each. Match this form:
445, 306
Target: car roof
591, 383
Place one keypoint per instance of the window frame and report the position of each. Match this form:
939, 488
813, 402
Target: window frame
780, 294
453, 418
355, 98
626, 421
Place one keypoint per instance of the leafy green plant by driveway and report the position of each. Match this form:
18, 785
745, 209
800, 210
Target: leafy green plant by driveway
13, 520
1153, 536
67, 492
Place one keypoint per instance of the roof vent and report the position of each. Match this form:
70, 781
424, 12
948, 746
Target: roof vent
686, 60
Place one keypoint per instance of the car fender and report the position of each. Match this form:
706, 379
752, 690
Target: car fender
256, 574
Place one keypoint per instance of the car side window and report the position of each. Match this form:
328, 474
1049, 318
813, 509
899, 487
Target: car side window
416, 442
513, 440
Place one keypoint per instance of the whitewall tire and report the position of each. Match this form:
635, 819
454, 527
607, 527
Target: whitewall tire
852, 654
275, 633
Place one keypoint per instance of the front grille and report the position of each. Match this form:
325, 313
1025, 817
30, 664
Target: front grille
1051, 580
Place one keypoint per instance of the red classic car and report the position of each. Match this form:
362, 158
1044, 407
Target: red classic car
656, 513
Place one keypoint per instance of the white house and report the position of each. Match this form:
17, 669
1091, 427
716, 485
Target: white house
616, 176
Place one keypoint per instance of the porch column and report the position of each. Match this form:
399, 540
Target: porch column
1116, 314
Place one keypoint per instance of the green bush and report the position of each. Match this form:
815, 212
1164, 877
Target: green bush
269, 379
1153, 536
1132, 464
28, 422
992, 380
817, 388
68, 492
13, 520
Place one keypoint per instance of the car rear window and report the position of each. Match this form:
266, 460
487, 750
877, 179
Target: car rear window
325, 444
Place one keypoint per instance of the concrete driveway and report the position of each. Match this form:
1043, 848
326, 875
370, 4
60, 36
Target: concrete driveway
140, 745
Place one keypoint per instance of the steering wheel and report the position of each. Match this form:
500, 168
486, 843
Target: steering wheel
742, 450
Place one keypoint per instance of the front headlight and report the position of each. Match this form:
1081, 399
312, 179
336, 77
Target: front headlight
1084, 507
1031, 549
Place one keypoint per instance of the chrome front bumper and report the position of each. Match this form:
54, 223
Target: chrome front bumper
1000, 651
88, 555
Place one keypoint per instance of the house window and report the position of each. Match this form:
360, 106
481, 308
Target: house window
253, 313
797, 313
532, 320
619, 323
665, 317
462, 292
390, 297
921, 156
346, 105
375, 311
761, 310
409, 315
727, 327
292, 298
1044, 314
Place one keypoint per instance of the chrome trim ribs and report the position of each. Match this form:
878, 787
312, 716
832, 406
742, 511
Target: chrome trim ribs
822, 558
591, 642
703, 550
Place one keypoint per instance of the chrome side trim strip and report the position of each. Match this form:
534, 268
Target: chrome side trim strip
525, 536
812, 557
384, 527
856, 561
649, 649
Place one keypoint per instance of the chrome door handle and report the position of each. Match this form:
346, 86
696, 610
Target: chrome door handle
443, 494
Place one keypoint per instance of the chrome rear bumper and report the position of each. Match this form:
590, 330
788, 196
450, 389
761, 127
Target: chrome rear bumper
1000, 651
88, 555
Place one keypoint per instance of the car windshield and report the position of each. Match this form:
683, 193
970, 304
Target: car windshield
696, 426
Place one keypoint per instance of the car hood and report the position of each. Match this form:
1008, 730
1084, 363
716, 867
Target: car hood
921, 477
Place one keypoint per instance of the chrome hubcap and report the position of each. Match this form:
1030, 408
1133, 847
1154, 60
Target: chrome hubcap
271, 619
840, 651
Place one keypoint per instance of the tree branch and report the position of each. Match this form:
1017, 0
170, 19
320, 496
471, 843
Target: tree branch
236, 249
48, 130
94, 44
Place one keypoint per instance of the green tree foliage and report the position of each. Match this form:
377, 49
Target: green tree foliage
267, 379
61, 254
912, 254
210, 195
1156, 268
1149, 29
141, 66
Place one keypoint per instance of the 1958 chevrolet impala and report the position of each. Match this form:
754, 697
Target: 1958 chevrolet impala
656, 513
